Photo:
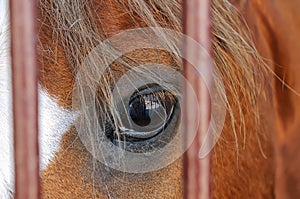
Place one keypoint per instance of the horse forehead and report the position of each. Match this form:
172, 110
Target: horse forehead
57, 75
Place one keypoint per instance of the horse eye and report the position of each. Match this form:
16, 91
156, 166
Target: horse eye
149, 112
150, 107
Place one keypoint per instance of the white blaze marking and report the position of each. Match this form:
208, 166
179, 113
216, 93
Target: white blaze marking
54, 120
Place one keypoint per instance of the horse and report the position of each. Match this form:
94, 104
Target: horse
79, 67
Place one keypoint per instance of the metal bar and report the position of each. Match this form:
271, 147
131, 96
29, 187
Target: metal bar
197, 25
25, 98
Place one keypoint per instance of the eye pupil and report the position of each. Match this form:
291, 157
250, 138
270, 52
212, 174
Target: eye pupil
139, 111
150, 105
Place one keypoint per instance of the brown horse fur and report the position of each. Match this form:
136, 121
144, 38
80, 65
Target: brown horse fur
243, 156
275, 26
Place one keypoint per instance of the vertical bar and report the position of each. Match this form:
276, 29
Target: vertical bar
197, 25
25, 98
